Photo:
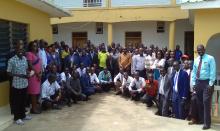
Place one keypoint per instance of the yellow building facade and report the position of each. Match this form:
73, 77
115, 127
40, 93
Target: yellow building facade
206, 25
206, 18
112, 15
38, 22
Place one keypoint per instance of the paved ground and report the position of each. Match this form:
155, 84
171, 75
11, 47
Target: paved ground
105, 112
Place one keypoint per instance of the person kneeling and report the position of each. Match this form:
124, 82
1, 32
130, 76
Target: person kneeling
118, 81
74, 89
87, 88
105, 80
125, 84
136, 87
95, 80
51, 93
151, 91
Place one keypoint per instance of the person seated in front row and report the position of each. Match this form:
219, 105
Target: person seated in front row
87, 87
50, 93
136, 87
74, 89
53, 71
105, 80
118, 81
124, 89
65, 76
150, 91
81, 69
95, 80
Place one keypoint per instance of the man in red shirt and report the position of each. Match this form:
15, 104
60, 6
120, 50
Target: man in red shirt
151, 90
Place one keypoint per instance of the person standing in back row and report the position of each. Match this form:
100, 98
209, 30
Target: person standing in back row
203, 78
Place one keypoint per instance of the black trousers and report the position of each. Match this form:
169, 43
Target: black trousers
106, 87
48, 103
149, 100
204, 101
194, 107
126, 92
18, 103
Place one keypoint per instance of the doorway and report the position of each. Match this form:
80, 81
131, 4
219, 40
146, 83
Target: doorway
189, 44
132, 39
79, 39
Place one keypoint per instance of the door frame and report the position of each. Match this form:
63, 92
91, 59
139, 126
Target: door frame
133, 37
79, 35
187, 49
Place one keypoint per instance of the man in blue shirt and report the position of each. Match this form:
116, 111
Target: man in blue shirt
85, 59
178, 53
203, 78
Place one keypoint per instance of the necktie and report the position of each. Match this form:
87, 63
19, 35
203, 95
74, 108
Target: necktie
175, 82
199, 68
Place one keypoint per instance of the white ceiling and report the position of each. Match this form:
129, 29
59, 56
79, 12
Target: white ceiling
201, 4
46, 7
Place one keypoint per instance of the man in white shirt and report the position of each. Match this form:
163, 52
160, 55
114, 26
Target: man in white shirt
164, 92
170, 69
149, 60
42, 54
139, 63
95, 80
125, 84
136, 86
50, 93
136, 53
81, 70
187, 67
65, 76
118, 81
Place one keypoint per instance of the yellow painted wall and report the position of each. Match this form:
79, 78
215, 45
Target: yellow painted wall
207, 24
39, 27
38, 21
4, 93
125, 14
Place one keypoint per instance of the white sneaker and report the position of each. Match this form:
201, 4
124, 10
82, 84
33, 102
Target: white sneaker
19, 122
28, 117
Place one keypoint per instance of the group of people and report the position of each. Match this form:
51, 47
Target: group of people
55, 75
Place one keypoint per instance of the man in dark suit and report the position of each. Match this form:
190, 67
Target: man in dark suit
164, 92
180, 91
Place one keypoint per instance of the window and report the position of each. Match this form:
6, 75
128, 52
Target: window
160, 27
99, 28
92, 3
55, 29
10, 32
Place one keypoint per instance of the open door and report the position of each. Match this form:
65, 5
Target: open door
189, 44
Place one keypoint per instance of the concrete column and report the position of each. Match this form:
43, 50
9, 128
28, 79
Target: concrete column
108, 3
110, 33
172, 30
173, 2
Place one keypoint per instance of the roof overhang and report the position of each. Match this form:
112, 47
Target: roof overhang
200, 4
47, 7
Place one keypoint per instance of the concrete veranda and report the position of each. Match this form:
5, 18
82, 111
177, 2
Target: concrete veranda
105, 112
